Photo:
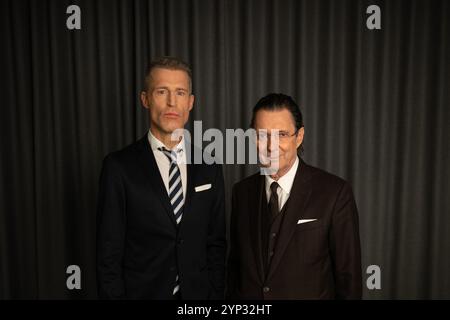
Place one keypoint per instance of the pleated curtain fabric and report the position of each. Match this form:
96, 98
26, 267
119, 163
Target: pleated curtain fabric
375, 104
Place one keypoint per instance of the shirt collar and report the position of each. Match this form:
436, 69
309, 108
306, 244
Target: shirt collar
286, 181
155, 143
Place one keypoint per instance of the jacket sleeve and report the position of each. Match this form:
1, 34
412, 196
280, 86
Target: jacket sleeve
111, 224
345, 246
216, 242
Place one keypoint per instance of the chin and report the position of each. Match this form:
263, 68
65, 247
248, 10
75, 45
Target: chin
171, 127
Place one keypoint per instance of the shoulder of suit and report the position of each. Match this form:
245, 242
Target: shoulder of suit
125, 154
248, 182
324, 178
197, 153
316, 176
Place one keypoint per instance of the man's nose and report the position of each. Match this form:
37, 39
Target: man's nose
269, 143
272, 144
171, 99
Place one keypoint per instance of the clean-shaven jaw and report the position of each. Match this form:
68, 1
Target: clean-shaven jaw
278, 140
169, 101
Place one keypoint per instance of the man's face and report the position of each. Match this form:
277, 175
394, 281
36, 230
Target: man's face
288, 139
168, 99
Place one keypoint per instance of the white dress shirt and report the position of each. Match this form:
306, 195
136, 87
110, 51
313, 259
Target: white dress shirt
164, 163
285, 185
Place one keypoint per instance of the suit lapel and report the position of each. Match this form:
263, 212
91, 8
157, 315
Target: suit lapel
190, 173
149, 166
298, 199
257, 197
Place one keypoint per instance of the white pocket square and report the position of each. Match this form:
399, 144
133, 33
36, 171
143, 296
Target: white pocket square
203, 187
305, 221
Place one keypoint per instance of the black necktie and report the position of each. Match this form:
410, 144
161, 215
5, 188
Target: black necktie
273, 202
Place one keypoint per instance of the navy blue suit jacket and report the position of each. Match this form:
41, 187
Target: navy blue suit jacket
140, 248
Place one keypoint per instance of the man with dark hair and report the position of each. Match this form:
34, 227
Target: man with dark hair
294, 233
161, 219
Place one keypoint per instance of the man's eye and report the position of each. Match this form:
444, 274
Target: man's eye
160, 91
181, 93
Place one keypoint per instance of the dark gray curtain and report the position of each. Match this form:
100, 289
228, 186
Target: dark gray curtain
375, 102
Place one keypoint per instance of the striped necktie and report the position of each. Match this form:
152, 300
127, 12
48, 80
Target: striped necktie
175, 185
175, 195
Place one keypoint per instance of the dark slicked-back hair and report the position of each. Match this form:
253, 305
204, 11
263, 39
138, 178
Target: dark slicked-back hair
279, 101
171, 63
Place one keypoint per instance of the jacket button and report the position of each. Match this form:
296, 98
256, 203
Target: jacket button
266, 289
172, 268
180, 241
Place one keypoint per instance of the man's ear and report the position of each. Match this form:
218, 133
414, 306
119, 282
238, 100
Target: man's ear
144, 100
299, 138
191, 102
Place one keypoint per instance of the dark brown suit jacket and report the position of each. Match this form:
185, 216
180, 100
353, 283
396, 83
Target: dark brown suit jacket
314, 260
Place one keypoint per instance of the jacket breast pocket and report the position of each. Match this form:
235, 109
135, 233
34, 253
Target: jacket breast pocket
309, 225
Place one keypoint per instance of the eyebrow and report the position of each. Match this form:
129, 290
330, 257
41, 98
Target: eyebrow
270, 130
167, 88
